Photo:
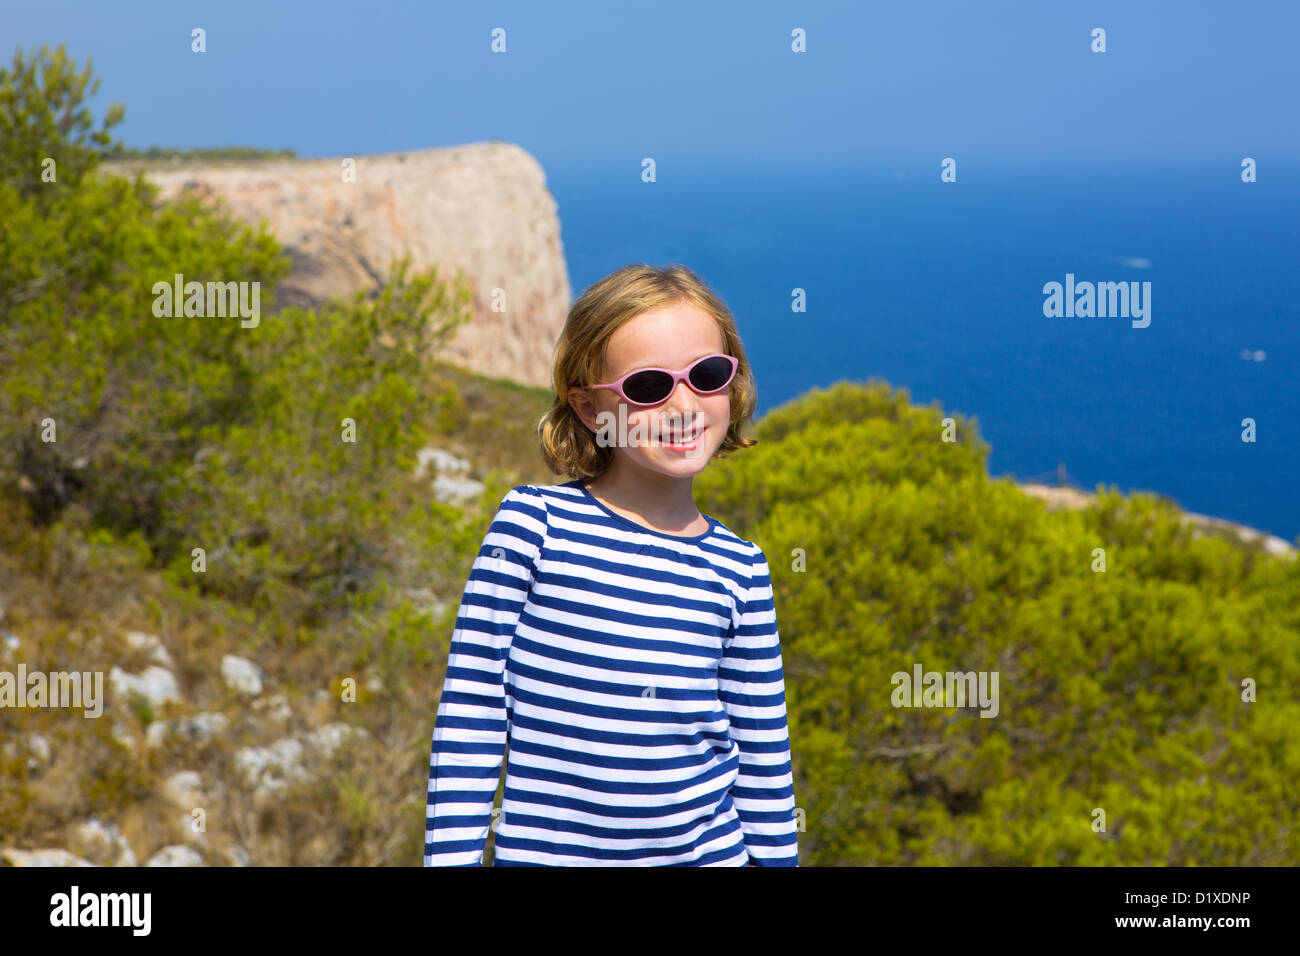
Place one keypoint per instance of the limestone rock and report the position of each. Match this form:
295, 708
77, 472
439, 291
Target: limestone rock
155, 684
102, 843
440, 459
452, 484
276, 707
184, 789
152, 646
196, 728
42, 858
175, 856
333, 736
270, 769
122, 734
39, 748
450, 490
241, 675
482, 208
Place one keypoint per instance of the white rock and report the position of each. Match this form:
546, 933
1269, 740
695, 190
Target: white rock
39, 748
185, 789
440, 459
140, 641
103, 841
333, 736
96, 835
270, 769
202, 727
157, 733
123, 735
175, 856
196, 728
156, 684
242, 675
276, 707
454, 490
43, 858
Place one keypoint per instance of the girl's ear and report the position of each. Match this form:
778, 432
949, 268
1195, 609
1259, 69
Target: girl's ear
581, 403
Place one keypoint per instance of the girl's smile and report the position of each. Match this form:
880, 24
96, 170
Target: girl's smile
684, 443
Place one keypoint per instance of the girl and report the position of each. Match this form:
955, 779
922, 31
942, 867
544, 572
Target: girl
622, 643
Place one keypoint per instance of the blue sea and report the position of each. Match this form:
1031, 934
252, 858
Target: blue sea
938, 287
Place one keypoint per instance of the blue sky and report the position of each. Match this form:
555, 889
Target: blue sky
708, 83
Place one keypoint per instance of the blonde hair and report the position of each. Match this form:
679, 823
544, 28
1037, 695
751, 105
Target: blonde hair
569, 447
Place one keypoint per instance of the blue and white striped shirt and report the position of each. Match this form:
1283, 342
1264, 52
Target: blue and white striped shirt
636, 676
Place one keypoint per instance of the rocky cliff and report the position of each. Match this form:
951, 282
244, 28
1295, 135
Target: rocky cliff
483, 208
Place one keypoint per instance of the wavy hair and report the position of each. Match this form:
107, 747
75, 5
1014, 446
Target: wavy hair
568, 446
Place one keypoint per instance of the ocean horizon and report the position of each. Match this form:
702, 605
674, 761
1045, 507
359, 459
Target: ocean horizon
938, 287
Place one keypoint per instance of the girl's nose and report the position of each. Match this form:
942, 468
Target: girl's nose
684, 404
683, 398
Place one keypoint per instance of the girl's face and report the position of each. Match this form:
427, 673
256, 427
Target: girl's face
678, 437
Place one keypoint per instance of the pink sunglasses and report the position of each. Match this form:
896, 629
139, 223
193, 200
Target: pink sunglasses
652, 386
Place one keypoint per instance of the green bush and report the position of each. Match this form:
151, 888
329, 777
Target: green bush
303, 493
42, 117
1119, 690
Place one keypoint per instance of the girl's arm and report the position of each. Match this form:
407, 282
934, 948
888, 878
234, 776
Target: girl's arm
752, 689
470, 729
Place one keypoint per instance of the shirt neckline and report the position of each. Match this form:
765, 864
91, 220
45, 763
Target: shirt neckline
581, 486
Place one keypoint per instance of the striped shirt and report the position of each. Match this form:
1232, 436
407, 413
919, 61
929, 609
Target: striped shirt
636, 677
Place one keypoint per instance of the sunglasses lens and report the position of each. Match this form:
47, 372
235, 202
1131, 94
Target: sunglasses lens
711, 374
648, 387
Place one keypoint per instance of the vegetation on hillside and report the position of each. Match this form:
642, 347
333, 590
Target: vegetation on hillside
202, 154
1121, 689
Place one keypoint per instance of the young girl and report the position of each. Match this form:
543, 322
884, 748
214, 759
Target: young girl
622, 643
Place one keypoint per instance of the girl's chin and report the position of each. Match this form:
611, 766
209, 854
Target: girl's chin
674, 463
680, 463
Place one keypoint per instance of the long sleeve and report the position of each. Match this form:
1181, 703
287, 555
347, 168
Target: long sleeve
752, 688
472, 722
